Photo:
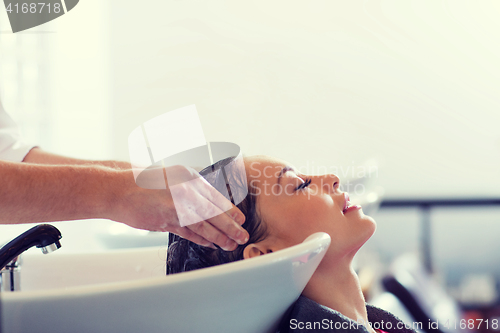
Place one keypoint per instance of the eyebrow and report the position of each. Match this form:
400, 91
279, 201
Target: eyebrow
282, 172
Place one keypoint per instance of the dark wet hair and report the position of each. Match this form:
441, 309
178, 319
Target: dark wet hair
184, 255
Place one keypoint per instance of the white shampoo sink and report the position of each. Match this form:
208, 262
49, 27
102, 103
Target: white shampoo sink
126, 291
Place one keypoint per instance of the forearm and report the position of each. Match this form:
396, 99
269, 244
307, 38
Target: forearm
43, 193
38, 156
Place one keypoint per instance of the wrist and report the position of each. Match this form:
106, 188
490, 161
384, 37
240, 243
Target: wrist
119, 184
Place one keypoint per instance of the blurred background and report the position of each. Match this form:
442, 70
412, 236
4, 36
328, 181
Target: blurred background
410, 89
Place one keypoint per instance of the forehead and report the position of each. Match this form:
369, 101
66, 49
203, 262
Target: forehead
264, 167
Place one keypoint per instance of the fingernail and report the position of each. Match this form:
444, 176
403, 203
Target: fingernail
240, 239
240, 219
229, 246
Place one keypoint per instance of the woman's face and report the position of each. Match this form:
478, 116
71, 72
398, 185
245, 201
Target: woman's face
294, 206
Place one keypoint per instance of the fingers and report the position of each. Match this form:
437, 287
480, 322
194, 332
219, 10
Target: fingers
219, 200
219, 229
195, 207
197, 201
195, 238
212, 234
229, 222
230, 228
222, 222
236, 215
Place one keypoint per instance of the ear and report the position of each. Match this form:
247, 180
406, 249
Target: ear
255, 250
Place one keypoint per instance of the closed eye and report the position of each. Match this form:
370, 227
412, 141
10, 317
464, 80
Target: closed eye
305, 184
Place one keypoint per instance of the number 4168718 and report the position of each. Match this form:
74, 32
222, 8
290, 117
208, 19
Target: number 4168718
473, 324
33, 8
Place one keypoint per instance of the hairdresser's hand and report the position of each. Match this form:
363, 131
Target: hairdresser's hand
206, 216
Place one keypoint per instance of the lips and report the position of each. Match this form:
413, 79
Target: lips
348, 207
346, 202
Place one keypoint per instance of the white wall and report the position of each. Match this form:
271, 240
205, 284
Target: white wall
55, 82
81, 82
327, 83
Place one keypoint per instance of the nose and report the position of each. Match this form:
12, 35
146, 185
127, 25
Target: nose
331, 182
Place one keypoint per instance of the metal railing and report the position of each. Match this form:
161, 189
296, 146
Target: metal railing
425, 206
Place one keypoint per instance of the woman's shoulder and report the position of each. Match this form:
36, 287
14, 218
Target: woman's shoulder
306, 315
386, 320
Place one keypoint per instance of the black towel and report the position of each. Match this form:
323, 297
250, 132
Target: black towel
308, 316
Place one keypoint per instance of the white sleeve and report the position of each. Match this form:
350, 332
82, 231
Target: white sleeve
11, 146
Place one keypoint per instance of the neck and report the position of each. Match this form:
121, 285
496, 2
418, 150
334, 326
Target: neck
337, 287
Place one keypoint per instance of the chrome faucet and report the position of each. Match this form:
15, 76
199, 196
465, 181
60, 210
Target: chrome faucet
44, 236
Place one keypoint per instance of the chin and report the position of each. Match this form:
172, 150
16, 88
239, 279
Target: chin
367, 232
371, 225
367, 228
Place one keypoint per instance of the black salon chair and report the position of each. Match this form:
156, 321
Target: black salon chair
422, 296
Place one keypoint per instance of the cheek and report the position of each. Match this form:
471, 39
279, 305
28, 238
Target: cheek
323, 207
312, 215
295, 218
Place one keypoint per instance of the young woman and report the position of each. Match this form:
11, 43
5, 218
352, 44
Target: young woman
282, 208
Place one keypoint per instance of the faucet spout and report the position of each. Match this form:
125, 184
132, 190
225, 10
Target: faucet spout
44, 236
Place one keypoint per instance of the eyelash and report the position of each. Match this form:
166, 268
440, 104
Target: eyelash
305, 184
